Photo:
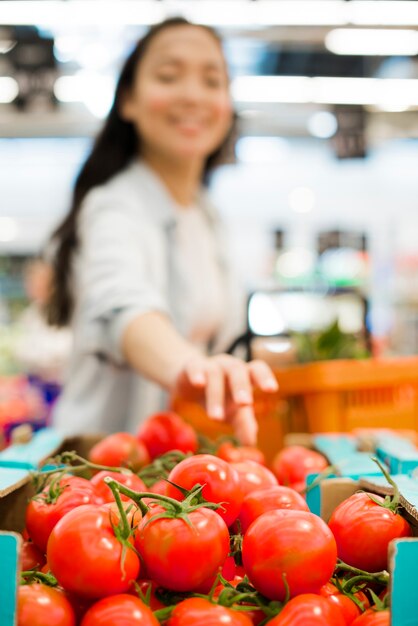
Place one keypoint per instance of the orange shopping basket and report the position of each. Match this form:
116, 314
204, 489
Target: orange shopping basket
338, 396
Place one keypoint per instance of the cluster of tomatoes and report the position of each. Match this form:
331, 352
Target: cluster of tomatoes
182, 537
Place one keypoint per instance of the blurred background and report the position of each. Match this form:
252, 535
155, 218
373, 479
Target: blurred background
321, 195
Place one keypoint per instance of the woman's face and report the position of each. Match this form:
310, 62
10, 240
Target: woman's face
180, 102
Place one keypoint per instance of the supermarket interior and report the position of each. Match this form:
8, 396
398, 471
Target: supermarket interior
209, 247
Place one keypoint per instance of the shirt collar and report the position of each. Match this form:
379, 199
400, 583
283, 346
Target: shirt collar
164, 209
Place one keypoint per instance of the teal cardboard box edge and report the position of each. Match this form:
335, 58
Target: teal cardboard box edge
9, 575
403, 558
29, 455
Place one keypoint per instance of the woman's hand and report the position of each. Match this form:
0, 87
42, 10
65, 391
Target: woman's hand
224, 385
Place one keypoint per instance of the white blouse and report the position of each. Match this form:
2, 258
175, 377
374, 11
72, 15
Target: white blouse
140, 252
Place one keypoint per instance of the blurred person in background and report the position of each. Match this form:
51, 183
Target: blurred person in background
42, 351
140, 268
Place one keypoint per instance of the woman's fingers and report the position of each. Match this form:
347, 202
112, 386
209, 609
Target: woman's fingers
262, 376
238, 378
245, 425
215, 392
227, 387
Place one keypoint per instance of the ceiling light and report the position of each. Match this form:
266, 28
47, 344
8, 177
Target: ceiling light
231, 13
261, 149
9, 89
94, 90
271, 89
325, 90
322, 124
387, 13
301, 199
50, 13
8, 229
373, 42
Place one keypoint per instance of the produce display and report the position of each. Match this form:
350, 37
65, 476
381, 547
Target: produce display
144, 533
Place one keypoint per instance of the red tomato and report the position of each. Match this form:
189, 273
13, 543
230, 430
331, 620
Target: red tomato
308, 610
220, 479
363, 531
38, 605
349, 609
104, 491
167, 431
269, 499
228, 572
294, 544
159, 487
292, 464
253, 476
144, 585
41, 517
119, 610
85, 556
234, 454
31, 557
199, 612
120, 450
373, 618
345, 602
179, 555
255, 615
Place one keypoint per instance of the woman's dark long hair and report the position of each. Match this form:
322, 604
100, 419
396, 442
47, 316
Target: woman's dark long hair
114, 148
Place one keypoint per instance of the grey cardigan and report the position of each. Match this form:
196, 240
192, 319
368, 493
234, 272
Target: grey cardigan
125, 266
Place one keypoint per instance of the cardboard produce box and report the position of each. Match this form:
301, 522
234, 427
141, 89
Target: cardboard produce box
403, 553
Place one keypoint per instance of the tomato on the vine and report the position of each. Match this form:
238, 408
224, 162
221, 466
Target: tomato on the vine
38, 605
147, 589
87, 558
349, 608
309, 609
199, 612
105, 493
373, 618
44, 511
120, 450
286, 548
363, 530
31, 557
220, 480
269, 499
234, 454
167, 431
253, 476
292, 464
178, 553
119, 610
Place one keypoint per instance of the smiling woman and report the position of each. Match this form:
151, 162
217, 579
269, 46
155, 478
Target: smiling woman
140, 266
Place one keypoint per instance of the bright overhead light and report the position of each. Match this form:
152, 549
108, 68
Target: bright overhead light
325, 90
9, 89
271, 89
322, 124
261, 150
387, 13
302, 199
94, 90
50, 13
374, 42
8, 229
263, 12
230, 13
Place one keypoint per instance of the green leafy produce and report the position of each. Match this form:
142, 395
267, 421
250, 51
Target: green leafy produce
329, 344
